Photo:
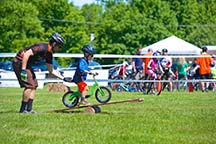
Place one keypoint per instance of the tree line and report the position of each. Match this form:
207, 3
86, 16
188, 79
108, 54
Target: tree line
119, 27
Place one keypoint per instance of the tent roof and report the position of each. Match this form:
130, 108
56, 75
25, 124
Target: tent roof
175, 46
211, 48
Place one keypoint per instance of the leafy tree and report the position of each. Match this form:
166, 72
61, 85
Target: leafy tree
119, 27
52, 13
195, 19
205, 33
19, 25
93, 17
126, 27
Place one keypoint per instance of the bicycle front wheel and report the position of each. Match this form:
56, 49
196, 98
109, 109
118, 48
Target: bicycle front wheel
69, 100
103, 94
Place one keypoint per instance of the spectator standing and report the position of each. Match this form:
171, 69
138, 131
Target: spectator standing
182, 68
137, 63
204, 62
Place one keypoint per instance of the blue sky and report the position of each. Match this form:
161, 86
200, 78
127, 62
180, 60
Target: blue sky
81, 2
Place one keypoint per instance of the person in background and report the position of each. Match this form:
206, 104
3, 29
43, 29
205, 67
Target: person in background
213, 76
146, 60
153, 66
22, 64
196, 74
213, 71
214, 60
165, 67
204, 61
182, 68
137, 63
115, 72
83, 70
114, 75
122, 71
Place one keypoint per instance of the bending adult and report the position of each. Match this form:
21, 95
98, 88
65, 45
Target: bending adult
22, 64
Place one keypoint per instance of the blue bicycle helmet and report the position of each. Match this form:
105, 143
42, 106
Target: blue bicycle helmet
156, 54
88, 49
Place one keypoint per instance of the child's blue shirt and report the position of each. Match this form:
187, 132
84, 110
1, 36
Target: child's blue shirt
79, 73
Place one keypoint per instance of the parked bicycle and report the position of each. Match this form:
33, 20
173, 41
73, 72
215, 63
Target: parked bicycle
130, 86
101, 93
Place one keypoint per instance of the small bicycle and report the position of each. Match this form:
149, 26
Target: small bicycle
102, 94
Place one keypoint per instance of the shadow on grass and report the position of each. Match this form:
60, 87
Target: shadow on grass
9, 111
77, 112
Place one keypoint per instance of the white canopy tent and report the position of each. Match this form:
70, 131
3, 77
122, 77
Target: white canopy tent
211, 49
175, 46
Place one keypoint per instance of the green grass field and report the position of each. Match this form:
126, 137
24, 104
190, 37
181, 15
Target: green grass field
178, 117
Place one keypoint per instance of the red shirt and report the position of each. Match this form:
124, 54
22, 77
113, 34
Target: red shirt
122, 71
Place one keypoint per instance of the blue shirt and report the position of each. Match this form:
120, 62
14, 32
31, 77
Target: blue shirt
138, 62
79, 73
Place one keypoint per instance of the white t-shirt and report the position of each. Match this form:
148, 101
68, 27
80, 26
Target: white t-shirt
166, 62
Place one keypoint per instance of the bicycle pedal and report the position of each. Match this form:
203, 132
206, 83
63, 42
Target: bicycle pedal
87, 96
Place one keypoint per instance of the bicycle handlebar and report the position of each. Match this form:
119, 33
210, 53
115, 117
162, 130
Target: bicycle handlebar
93, 74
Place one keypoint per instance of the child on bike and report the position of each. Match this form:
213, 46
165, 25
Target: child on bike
82, 70
152, 72
153, 66
165, 67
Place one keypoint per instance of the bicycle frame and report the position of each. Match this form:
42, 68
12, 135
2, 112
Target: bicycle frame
93, 89
96, 86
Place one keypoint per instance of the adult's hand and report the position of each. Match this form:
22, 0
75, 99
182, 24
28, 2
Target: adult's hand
23, 75
68, 79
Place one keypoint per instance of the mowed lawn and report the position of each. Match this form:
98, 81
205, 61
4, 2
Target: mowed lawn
171, 118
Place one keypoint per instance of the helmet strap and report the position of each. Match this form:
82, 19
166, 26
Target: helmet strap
86, 54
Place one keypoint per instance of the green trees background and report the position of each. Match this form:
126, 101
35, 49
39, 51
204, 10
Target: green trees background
119, 28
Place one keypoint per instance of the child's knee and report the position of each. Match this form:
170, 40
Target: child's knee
86, 88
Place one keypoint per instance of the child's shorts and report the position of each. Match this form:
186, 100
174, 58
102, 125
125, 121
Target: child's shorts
81, 86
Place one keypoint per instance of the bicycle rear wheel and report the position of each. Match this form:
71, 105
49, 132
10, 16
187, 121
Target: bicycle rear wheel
149, 88
155, 88
103, 94
69, 100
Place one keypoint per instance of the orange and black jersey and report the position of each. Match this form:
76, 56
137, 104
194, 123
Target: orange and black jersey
40, 51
